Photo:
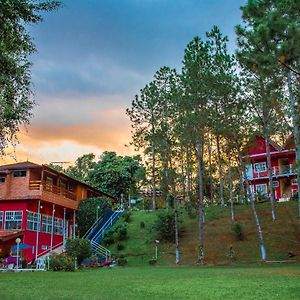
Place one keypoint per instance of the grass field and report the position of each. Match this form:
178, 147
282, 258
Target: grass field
256, 282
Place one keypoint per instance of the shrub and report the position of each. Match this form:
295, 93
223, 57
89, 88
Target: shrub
62, 262
165, 226
152, 261
190, 209
142, 224
238, 231
79, 248
294, 197
121, 232
127, 216
122, 261
120, 247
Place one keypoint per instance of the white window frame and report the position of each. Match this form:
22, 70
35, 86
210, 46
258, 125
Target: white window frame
259, 165
294, 181
46, 223
1, 219
276, 183
32, 222
258, 186
58, 226
13, 216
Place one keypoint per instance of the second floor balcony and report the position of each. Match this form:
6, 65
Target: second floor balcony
277, 171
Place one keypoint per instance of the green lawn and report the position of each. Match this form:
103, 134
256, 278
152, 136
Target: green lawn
256, 282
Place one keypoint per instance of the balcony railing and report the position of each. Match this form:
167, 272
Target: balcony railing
276, 171
38, 185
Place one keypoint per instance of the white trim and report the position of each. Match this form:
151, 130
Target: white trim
265, 153
263, 163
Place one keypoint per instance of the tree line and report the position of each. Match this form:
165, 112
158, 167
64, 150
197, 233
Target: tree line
193, 124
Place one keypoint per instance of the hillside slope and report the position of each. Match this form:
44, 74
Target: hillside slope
281, 236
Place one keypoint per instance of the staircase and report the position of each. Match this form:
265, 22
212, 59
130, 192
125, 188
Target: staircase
96, 233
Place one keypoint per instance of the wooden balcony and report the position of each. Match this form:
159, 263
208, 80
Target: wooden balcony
54, 194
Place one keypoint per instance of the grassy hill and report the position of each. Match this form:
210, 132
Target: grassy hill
280, 236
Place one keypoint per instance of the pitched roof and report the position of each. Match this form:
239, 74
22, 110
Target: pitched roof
21, 165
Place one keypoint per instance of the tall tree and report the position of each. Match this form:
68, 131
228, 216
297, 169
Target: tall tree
16, 46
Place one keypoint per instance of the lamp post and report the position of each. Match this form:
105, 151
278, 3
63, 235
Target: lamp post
156, 248
97, 212
18, 241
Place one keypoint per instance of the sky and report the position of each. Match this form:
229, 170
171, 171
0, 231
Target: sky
94, 56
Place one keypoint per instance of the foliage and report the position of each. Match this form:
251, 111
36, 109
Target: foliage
16, 46
165, 226
190, 209
238, 231
79, 248
62, 262
152, 261
108, 237
87, 212
127, 216
122, 261
142, 224
120, 247
121, 232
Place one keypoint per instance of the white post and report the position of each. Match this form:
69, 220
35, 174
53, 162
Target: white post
18, 241
38, 231
74, 219
64, 229
52, 227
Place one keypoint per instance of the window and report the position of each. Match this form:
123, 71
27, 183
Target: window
46, 224
275, 183
260, 167
294, 181
13, 219
58, 226
261, 189
19, 173
32, 221
2, 179
1, 219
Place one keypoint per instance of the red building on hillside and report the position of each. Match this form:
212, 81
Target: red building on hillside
282, 165
38, 205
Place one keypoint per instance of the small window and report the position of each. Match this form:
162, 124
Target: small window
294, 181
2, 179
261, 189
1, 219
260, 167
275, 183
19, 173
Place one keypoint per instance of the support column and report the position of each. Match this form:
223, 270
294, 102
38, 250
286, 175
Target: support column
38, 231
64, 230
52, 227
74, 220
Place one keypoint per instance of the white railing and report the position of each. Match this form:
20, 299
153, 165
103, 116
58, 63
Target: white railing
86, 235
47, 251
276, 171
99, 249
107, 224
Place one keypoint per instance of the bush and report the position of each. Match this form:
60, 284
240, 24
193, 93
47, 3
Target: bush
142, 224
107, 241
122, 261
190, 209
62, 262
238, 231
121, 232
79, 248
294, 197
120, 247
165, 226
127, 216
152, 261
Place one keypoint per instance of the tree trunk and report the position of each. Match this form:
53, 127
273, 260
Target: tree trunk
153, 178
231, 191
254, 212
211, 191
177, 253
188, 172
199, 153
295, 119
272, 196
220, 172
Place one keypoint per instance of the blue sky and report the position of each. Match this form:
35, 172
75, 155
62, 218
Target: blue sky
94, 56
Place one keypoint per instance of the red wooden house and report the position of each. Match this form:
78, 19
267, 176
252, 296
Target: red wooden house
38, 205
282, 166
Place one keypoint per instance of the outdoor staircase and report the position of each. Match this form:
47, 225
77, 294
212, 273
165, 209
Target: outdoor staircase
96, 232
